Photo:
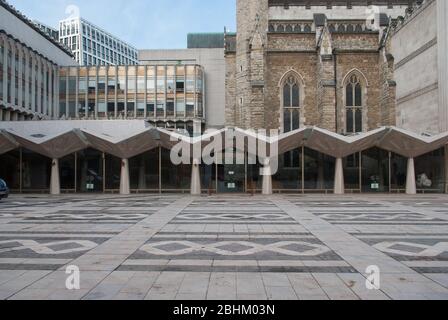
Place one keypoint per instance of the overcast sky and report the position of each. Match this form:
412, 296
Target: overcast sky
146, 24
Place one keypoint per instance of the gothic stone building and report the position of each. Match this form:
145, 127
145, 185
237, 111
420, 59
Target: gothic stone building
295, 63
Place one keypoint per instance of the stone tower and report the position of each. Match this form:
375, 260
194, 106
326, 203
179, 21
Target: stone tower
251, 40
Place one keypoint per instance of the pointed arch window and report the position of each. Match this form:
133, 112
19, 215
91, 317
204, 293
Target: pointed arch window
291, 105
354, 105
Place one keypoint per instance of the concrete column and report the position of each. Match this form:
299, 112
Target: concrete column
266, 173
55, 186
339, 183
125, 187
196, 188
411, 186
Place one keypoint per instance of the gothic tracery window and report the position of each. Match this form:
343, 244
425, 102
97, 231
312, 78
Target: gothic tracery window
354, 105
291, 105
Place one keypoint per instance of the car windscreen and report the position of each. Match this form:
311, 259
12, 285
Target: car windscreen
2, 184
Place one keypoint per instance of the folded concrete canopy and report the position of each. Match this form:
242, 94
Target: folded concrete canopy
128, 138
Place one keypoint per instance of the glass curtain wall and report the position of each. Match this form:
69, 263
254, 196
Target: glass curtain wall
150, 91
101, 92
398, 173
92, 92
289, 175
132, 91
352, 173
36, 172
174, 178
82, 93
112, 173
121, 89
62, 92
10, 169
111, 91
144, 172
72, 96
375, 170
89, 169
67, 173
430, 172
141, 91
160, 105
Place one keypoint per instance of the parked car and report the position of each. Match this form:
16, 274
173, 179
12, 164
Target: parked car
4, 191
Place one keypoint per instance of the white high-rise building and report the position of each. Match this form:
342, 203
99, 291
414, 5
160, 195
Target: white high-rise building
92, 45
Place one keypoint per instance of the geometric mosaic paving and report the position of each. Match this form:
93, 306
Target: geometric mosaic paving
222, 241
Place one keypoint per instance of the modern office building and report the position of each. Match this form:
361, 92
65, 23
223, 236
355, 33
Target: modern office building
29, 68
421, 68
93, 46
207, 51
166, 95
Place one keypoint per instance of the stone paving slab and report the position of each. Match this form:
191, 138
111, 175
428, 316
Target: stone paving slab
224, 247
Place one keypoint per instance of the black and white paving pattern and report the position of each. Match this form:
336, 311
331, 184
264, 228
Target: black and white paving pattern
224, 246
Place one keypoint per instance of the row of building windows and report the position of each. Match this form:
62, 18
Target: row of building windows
131, 92
94, 53
26, 81
72, 29
354, 105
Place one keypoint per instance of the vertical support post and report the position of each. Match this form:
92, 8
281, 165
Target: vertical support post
55, 185
266, 173
196, 189
339, 184
411, 187
125, 188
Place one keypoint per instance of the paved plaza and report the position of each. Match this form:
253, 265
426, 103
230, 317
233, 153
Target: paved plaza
224, 247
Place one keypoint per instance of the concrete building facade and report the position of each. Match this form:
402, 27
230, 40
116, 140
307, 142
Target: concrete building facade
421, 68
29, 68
166, 95
213, 64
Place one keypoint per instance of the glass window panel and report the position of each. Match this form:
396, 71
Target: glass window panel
375, 170
399, 170
318, 171
295, 119
174, 177
160, 109
289, 174
349, 95
89, 168
67, 172
35, 171
358, 95
349, 121
358, 120
287, 95
113, 172
170, 107
430, 172
10, 169
150, 109
295, 96
351, 172
287, 120
180, 106
144, 171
